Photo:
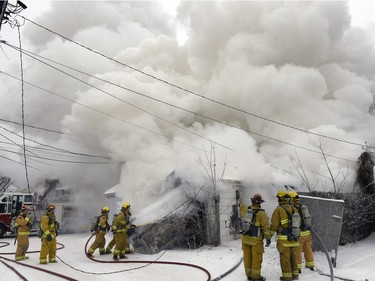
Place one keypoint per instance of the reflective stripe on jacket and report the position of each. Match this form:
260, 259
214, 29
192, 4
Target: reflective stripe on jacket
23, 227
280, 224
48, 225
119, 223
102, 224
261, 221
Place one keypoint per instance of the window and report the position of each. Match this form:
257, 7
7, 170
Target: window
28, 199
3, 208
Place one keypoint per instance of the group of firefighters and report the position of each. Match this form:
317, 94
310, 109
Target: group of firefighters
48, 231
288, 221
48, 228
121, 226
291, 222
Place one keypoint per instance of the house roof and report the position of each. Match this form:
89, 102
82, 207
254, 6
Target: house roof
111, 191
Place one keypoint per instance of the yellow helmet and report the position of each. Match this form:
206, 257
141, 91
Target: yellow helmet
282, 194
105, 209
125, 205
293, 195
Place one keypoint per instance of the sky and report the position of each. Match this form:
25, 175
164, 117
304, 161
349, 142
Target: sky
259, 89
354, 262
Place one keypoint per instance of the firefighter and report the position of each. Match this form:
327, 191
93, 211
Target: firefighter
111, 244
287, 242
120, 226
48, 226
23, 225
305, 241
101, 228
252, 238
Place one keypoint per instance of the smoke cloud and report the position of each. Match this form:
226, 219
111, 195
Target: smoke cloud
296, 63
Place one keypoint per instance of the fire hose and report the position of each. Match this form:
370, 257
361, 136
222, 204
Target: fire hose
148, 261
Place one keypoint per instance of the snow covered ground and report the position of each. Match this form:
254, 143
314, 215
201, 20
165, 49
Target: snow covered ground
354, 261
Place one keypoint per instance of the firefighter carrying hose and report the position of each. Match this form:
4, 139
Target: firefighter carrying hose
285, 222
120, 226
254, 228
23, 225
48, 226
305, 240
100, 228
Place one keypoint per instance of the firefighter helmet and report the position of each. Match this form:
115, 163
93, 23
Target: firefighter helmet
105, 209
282, 194
293, 195
257, 199
51, 207
125, 205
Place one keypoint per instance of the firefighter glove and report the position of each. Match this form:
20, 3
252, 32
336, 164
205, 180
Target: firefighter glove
268, 242
49, 237
133, 226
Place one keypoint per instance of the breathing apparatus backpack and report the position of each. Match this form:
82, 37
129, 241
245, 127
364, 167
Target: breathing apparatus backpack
293, 231
248, 223
95, 224
306, 218
40, 231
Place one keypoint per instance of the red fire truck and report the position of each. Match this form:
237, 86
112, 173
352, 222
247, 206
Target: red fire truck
10, 204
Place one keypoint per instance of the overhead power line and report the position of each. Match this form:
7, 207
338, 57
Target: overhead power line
115, 97
17, 162
34, 127
104, 113
250, 132
55, 148
139, 93
191, 92
44, 151
20, 146
55, 160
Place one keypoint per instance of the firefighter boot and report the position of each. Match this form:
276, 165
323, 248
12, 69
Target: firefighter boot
115, 258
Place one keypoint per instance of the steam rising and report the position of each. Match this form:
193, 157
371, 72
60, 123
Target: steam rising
297, 63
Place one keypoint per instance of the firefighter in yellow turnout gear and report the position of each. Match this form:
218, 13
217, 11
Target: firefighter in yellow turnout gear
287, 242
23, 225
112, 243
120, 226
49, 226
252, 237
305, 240
101, 228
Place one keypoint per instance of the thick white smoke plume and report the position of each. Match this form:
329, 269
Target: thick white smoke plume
295, 63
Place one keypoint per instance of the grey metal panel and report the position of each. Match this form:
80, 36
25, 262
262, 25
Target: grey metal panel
326, 217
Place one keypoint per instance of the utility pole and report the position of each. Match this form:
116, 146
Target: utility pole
3, 5
8, 9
